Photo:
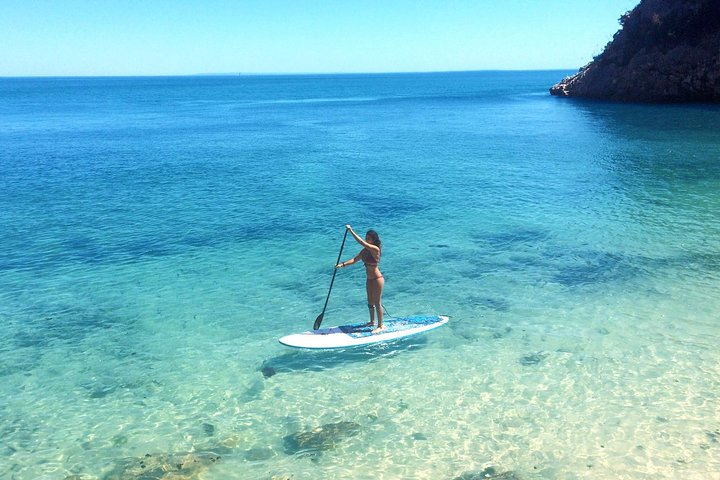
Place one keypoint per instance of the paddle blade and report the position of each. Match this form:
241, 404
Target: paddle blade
318, 321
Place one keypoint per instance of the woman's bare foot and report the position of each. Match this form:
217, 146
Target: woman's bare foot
379, 329
369, 324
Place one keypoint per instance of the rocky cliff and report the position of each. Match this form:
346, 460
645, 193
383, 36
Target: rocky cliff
666, 51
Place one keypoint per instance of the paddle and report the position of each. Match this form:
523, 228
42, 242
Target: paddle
319, 319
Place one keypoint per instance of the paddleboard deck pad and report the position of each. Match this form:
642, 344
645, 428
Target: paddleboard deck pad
354, 335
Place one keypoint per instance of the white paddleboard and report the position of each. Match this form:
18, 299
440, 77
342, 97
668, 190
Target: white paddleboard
355, 335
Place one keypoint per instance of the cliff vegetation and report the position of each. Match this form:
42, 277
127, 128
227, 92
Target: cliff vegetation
666, 51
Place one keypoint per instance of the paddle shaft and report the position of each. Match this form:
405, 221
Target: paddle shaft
319, 319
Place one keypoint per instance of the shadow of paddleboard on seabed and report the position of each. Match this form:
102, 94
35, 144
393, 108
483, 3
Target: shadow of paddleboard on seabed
318, 360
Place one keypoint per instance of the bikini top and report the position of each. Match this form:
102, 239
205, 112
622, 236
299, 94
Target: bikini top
368, 259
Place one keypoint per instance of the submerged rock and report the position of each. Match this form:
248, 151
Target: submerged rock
268, 371
258, 454
532, 359
319, 439
666, 51
501, 333
208, 429
163, 467
488, 473
596, 268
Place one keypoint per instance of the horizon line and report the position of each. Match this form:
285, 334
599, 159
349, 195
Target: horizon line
289, 74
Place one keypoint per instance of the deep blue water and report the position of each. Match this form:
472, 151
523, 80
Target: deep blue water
157, 235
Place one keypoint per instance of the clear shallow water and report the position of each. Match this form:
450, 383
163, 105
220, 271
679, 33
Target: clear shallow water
159, 234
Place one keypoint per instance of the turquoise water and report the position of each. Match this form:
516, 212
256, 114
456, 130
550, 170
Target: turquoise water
158, 235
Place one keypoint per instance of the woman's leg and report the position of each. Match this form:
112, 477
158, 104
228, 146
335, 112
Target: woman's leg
369, 290
376, 299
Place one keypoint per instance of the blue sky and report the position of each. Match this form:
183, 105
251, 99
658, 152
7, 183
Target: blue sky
164, 37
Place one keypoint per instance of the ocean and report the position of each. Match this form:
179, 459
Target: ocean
158, 235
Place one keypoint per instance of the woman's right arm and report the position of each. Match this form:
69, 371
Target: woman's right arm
349, 262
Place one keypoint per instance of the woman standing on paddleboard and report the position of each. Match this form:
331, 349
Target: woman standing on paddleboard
370, 256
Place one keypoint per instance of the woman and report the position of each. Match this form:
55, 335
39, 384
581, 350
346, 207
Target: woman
370, 256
